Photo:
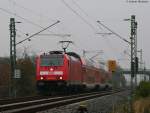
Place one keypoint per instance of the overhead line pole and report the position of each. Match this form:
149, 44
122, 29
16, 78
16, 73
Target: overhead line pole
13, 44
133, 56
12, 54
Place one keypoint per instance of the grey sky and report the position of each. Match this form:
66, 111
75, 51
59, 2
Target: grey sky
83, 29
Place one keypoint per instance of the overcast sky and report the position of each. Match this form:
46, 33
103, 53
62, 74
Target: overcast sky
78, 18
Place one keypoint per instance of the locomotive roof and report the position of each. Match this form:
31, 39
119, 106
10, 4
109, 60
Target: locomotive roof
85, 62
73, 54
56, 52
68, 53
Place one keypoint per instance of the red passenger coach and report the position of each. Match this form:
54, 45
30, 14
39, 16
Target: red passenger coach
59, 71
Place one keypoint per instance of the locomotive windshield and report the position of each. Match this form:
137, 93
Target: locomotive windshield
52, 60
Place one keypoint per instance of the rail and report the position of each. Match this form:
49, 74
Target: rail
52, 102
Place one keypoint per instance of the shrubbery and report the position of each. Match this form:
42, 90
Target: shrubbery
141, 103
142, 98
143, 90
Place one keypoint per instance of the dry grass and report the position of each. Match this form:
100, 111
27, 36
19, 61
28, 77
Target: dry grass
142, 105
121, 108
139, 106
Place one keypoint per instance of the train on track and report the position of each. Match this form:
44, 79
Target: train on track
59, 71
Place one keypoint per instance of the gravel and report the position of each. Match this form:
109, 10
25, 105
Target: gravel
98, 105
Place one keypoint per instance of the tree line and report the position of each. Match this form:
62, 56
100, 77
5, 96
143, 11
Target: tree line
26, 85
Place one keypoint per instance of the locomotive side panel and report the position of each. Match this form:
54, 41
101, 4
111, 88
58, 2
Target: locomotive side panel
37, 68
75, 75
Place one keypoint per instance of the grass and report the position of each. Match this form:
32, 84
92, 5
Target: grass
142, 105
121, 108
141, 100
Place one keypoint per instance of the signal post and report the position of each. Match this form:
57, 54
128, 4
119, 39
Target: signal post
112, 66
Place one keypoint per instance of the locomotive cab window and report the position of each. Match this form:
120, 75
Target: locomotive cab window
52, 60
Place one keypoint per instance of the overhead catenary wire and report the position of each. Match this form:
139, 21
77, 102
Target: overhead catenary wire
83, 11
11, 13
13, 7
29, 10
41, 27
86, 14
25, 19
34, 12
23, 33
38, 32
75, 12
59, 35
109, 33
113, 32
108, 44
80, 8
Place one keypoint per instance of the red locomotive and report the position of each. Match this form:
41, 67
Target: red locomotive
59, 71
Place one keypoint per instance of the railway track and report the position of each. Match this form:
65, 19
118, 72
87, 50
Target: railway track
21, 99
33, 106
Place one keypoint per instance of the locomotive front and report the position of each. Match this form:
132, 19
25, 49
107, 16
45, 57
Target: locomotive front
52, 71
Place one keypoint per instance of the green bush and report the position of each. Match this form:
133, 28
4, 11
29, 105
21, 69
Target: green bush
143, 90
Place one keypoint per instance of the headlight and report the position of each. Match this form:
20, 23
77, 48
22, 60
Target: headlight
42, 78
60, 78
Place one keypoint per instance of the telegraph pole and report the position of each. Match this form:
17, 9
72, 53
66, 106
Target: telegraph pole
133, 56
12, 53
